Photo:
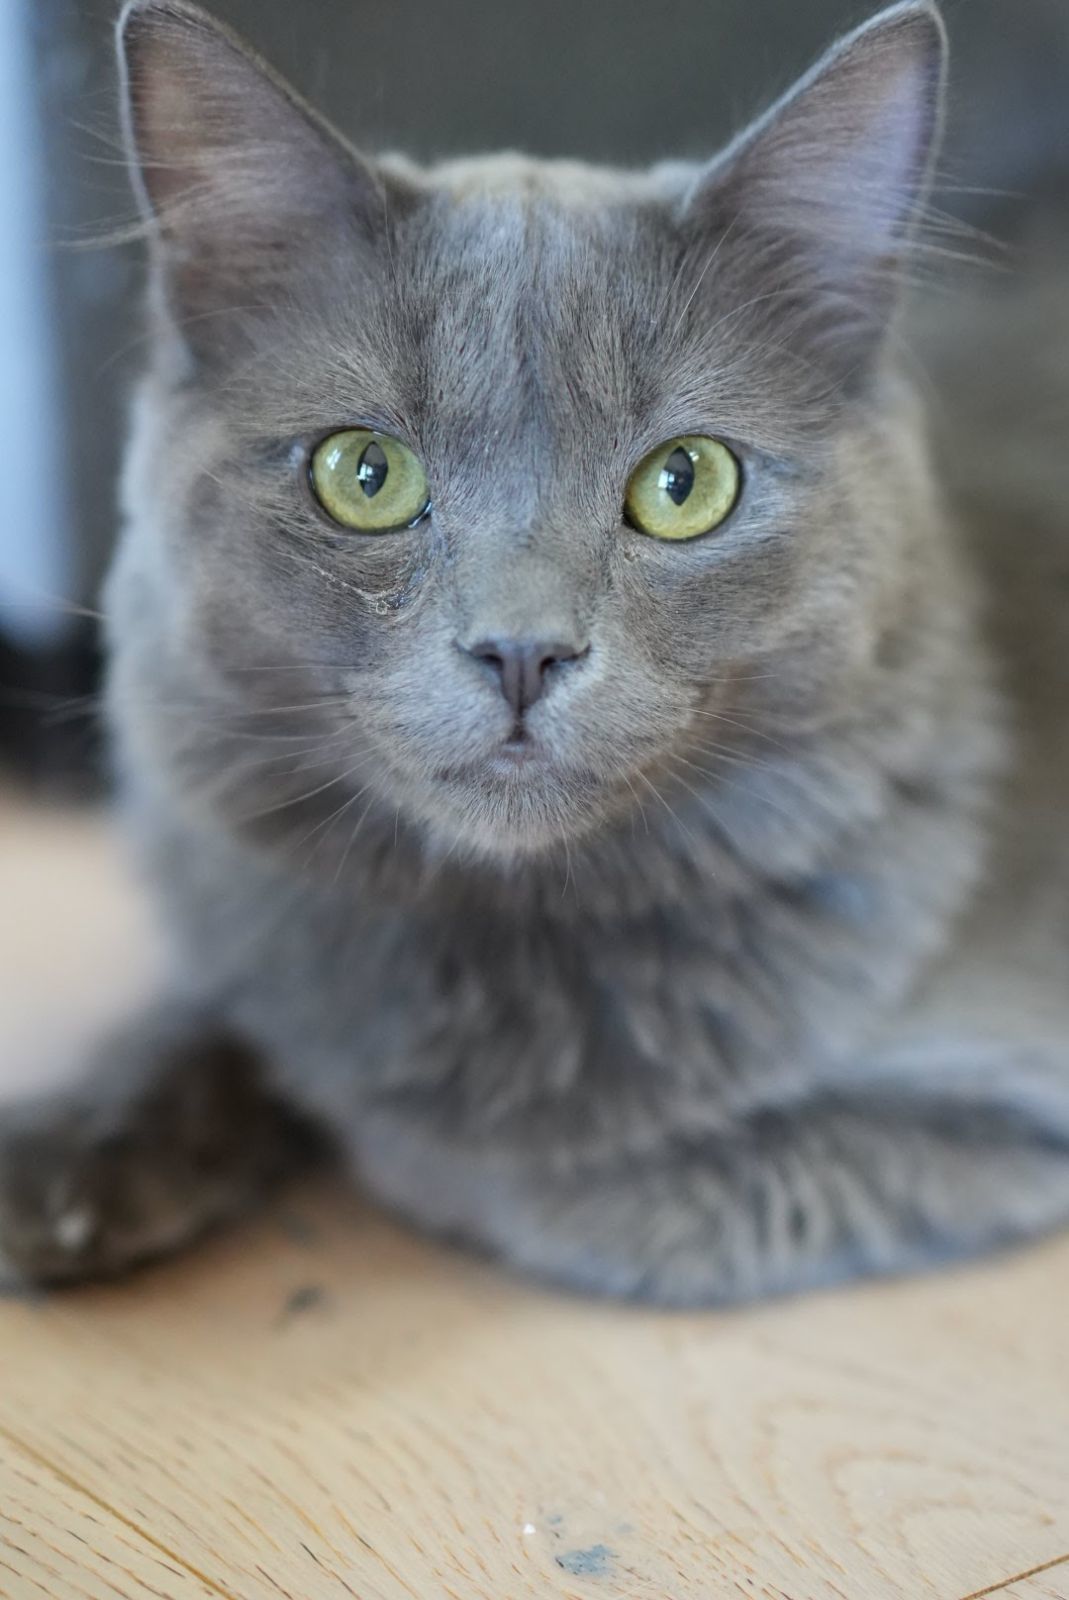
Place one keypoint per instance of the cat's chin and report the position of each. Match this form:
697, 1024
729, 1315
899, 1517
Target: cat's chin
512, 806
501, 847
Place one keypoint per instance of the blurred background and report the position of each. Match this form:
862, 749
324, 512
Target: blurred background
622, 81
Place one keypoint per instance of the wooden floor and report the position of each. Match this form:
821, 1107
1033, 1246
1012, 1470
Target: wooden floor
321, 1406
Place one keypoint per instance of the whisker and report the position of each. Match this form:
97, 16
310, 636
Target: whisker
638, 802
296, 800
815, 802
671, 812
32, 599
746, 727
352, 837
725, 753
328, 822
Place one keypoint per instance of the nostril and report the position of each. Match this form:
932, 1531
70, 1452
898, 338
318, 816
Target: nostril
522, 665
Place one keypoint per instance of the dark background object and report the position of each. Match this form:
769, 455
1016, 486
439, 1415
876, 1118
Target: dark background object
623, 81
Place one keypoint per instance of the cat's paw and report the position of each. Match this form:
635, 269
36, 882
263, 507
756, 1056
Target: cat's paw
169, 1136
73, 1208
52, 1226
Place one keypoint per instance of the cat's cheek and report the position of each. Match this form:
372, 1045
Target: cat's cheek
713, 600
349, 582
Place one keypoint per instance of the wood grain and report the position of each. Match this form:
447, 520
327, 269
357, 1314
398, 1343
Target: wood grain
56, 1541
321, 1405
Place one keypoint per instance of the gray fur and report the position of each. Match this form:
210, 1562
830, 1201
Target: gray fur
689, 1003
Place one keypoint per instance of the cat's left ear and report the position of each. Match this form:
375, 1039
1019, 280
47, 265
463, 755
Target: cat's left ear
241, 182
821, 194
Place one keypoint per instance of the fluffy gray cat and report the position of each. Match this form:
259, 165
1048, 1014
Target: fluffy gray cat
558, 712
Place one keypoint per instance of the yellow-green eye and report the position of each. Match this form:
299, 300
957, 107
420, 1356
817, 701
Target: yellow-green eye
683, 488
369, 481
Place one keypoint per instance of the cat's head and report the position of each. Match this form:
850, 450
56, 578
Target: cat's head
511, 493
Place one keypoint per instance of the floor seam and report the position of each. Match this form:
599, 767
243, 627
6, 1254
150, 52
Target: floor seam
41, 1460
1017, 1577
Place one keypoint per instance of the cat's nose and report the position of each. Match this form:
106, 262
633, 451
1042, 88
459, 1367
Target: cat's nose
523, 666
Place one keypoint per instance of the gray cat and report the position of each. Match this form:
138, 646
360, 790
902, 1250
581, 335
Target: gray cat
557, 713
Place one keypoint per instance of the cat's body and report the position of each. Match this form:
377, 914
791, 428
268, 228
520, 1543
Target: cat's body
689, 977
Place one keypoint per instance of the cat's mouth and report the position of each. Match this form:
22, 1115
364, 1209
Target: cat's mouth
516, 757
514, 798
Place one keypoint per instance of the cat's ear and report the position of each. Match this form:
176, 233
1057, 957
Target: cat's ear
238, 179
825, 188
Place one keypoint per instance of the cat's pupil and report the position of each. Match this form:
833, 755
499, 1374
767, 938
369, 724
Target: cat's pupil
372, 469
677, 476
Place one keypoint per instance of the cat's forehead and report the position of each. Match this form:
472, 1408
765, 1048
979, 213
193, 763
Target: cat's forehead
525, 306
489, 314
505, 307
518, 267
519, 236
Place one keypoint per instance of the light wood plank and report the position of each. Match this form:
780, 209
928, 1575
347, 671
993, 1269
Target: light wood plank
402, 1434
421, 1426
57, 1542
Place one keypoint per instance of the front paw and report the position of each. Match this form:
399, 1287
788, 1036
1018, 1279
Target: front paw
59, 1221
170, 1135
75, 1208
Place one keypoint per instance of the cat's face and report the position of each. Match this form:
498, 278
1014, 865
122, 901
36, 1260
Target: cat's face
522, 662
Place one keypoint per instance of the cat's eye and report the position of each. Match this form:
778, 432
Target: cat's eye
684, 488
369, 481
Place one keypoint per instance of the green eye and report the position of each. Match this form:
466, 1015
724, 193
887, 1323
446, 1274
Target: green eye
369, 481
683, 488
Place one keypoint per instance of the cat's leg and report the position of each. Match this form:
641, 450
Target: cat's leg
170, 1132
942, 1155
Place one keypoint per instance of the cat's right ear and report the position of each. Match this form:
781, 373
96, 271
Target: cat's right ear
239, 181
